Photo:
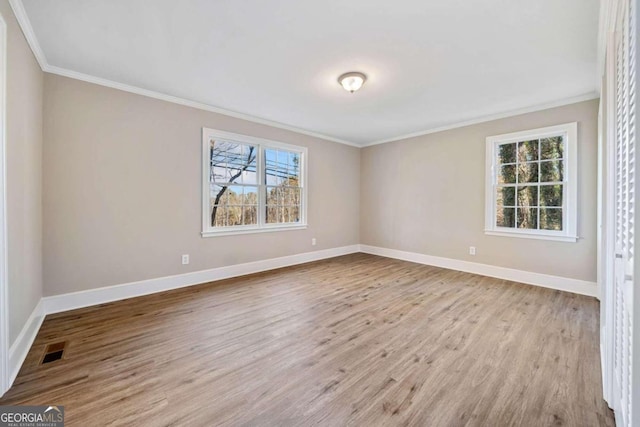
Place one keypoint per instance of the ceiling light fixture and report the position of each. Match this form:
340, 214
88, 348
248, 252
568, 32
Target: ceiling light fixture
352, 81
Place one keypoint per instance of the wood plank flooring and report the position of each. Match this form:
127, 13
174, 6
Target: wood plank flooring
356, 340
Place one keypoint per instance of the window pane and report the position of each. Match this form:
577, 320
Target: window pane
294, 165
236, 205
507, 153
282, 168
250, 215
219, 216
506, 217
239, 160
235, 195
230, 160
551, 171
218, 161
283, 204
287, 195
235, 215
282, 176
218, 201
283, 161
528, 172
280, 193
216, 191
272, 174
273, 214
551, 219
294, 211
291, 196
290, 214
272, 195
506, 196
250, 165
528, 151
249, 176
528, 218
528, 196
551, 148
219, 172
250, 195
507, 174
551, 195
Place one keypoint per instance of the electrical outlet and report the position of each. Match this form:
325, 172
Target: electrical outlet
313, 241
472, 250
185, 259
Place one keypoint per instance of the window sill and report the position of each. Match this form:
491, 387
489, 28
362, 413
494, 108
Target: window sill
252, 230
526, 235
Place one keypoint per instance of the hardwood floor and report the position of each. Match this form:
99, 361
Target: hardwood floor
355, 340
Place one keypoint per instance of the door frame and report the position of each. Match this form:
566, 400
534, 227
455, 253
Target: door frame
4, 282
606, 181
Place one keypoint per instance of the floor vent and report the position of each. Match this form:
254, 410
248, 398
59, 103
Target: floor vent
53, 352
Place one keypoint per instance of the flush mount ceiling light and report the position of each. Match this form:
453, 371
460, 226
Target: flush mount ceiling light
352, 81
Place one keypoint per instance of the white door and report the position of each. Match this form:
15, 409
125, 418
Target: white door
625, 198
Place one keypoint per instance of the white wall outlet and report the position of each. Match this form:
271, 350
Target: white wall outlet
472, 250
313, 241
185, 259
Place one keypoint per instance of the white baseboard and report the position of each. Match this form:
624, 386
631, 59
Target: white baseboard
567, 284
603, 374
21, 346
72, 301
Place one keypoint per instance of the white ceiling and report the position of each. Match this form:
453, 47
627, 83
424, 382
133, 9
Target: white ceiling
430, 63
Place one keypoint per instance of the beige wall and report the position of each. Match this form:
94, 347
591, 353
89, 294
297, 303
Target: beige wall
122, 190
426, 195
24, 175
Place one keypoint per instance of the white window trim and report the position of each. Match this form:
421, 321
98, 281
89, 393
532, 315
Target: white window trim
261, 143
570, 199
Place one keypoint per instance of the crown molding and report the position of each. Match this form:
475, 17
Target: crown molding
491, 117
22, 18
188, 103
27, 29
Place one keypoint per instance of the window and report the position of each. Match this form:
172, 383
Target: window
251, 184
531, 183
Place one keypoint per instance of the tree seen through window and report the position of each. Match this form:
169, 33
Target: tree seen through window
530, 183
236, 189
